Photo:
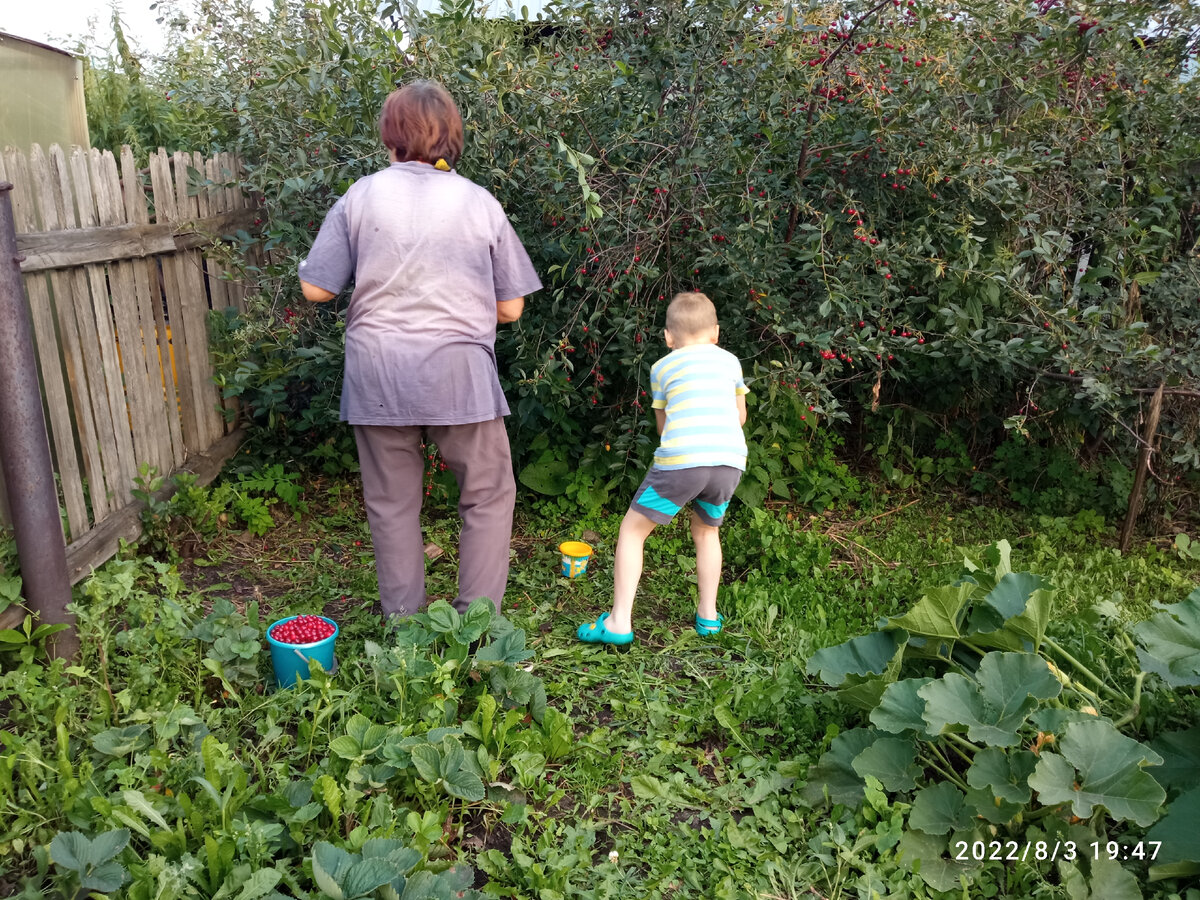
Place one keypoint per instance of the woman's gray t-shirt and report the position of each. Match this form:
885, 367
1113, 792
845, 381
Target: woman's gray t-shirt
431, 254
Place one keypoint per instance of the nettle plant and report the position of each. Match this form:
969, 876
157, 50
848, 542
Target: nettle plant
1002, 743
894, 204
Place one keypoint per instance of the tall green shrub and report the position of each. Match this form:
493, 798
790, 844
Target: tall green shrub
980, 213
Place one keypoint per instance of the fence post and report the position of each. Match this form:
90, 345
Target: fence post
25, 451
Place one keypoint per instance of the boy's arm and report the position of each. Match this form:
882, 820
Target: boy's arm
660, 419
741, 407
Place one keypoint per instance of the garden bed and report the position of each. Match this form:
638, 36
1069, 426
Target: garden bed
548, 767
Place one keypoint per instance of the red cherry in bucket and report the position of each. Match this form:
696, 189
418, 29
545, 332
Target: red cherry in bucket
303, 630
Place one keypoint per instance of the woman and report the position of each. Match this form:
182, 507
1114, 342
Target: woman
436, 266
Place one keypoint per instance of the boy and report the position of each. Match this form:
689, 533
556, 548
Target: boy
699, 401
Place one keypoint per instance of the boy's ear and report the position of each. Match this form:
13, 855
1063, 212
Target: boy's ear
716, 333
670, 341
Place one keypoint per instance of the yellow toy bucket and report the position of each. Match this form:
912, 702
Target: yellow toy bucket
575, 556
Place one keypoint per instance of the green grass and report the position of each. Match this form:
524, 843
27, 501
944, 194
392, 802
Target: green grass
689, 753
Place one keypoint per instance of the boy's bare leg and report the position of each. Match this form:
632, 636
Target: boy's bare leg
627, 569
708, 566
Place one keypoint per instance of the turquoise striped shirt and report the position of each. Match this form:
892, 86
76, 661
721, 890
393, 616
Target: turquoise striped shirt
698, 386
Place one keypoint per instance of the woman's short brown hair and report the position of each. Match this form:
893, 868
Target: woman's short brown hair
421, 122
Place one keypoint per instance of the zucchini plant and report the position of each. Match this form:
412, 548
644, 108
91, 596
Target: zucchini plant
1001, 738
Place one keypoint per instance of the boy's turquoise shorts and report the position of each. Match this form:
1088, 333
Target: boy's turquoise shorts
665, 491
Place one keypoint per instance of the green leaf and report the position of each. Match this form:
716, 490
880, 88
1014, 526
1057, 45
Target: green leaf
443, 618
403, 858
346, 747
1179, 855
331, 795
1107, 766
104, 878
456, 879
1171, 643
476, 620
427, 762
330, 865
892, 760
547, 476
423, 885
1108, 881
1026, 631
259, 884
366, 875
939, 809
464, 785
901, 708
357, 726
926, 855
137, 800
72, 850
1180, 751
1012, 592
728, 719
870, 654
834, 772
1014, 614
373, 739
508, 647
452, 755
10, 590
108, 844
990, 808
862, 667
997, 558
1004, 774
381, 847
994, 705
121, 741
647, 787
936, 615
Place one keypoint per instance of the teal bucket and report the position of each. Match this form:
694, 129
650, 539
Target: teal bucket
290, 661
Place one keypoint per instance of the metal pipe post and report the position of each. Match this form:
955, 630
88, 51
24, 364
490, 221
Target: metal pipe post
25, 450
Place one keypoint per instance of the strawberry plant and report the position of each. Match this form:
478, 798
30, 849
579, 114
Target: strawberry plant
91, 860
386, 869
234, 644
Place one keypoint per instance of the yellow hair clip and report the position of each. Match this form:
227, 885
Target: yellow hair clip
442, 164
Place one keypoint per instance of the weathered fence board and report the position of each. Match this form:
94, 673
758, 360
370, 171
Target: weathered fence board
121, 274
195, 310
82, 353
122, 468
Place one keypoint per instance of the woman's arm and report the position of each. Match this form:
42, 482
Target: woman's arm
314, 293
509, 310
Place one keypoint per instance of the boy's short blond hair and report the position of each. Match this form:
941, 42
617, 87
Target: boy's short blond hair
690, 314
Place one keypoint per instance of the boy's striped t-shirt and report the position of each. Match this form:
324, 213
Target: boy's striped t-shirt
698, 386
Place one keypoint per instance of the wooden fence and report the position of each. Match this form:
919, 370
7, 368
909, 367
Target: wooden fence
121, 268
